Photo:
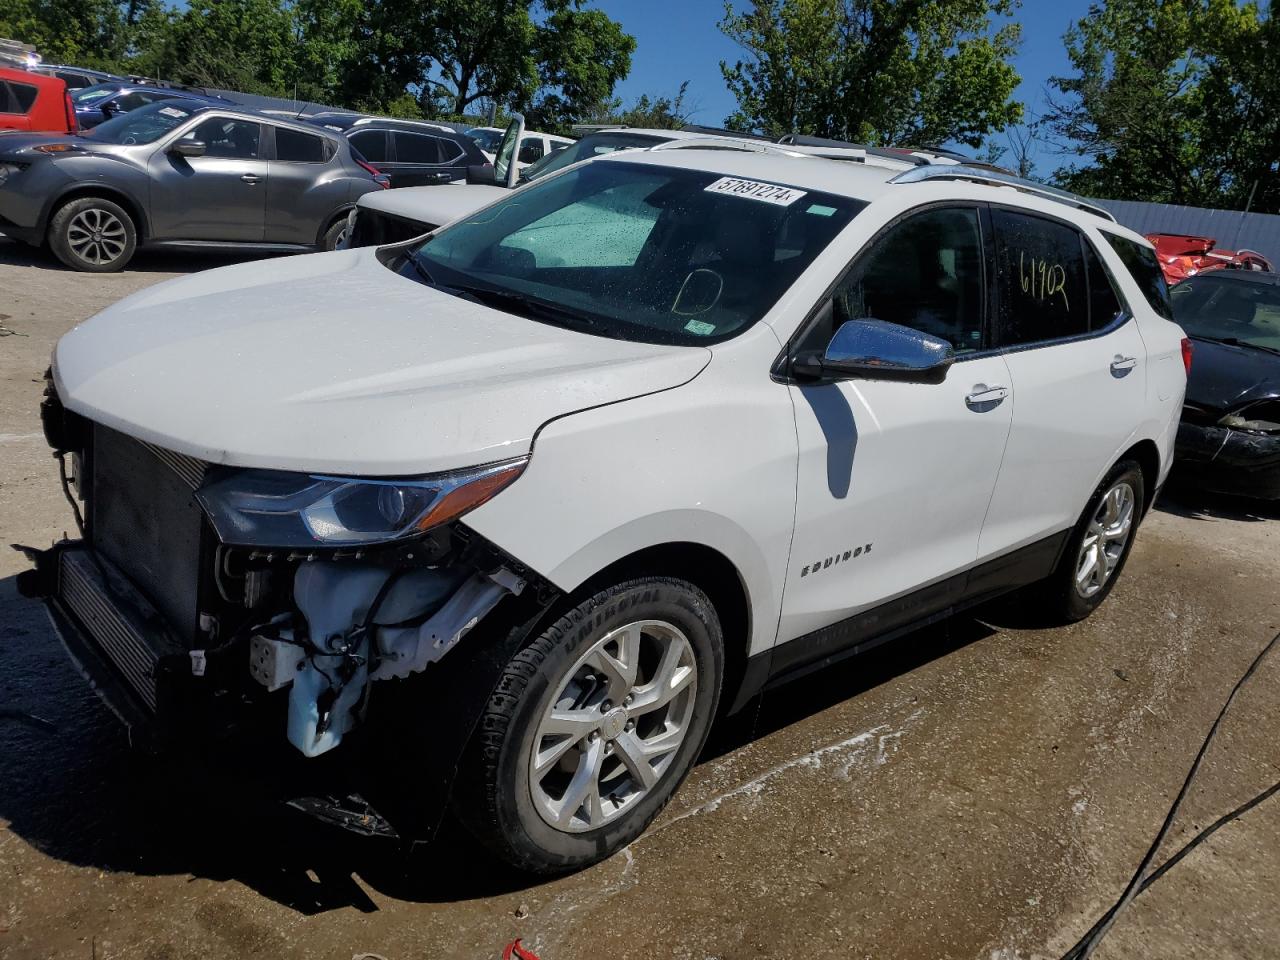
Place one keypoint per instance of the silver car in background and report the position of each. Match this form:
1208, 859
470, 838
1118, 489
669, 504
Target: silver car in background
179, 173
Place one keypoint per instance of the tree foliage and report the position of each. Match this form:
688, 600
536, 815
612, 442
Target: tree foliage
551, 58
916, 72
658, 112
1173, 100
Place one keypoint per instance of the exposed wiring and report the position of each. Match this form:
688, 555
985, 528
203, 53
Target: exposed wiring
61, 457
1140, 880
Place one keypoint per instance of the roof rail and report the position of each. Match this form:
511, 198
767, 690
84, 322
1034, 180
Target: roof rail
996, 179
725, 132
729, 143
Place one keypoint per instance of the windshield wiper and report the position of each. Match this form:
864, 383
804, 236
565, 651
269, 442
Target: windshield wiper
1236, 342
523, 304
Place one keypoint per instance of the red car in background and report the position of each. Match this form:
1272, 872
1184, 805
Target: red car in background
35, 102
1182, 256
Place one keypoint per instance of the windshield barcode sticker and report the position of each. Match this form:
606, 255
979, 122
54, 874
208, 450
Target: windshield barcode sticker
755, 190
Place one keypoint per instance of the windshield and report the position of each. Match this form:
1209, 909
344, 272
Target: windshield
1216, 307
487, 140
592, 145
637, 252
144, 125
93, 94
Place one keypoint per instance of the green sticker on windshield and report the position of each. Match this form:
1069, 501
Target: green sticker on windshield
820, 210
700, 327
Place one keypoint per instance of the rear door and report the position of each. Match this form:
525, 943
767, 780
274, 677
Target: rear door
419, 159
306, 185
219, 196
1078, 366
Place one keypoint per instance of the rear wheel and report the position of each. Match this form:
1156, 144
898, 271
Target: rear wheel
593, 726
1099, 544
336, 235
93, 235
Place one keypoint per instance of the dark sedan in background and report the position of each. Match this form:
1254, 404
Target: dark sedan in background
1229, 438
411, 153
179, 173
102, 101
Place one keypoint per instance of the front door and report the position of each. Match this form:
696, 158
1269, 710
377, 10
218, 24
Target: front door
895, 478
1078, 364
219, 196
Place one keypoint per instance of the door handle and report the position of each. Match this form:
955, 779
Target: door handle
251, 178
1122, 363
981, 395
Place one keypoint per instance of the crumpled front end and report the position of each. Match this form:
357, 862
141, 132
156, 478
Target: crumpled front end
186, 634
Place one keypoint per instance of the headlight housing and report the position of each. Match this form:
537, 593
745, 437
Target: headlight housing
268, 508
1261, 417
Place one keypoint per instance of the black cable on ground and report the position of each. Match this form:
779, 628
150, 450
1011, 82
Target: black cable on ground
1140, 881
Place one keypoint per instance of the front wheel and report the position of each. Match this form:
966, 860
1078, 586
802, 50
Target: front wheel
1099, 544
93, 235
593, 726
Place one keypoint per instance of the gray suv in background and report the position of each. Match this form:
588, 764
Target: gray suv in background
179, 173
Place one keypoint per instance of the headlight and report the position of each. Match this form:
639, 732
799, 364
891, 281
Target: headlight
1260, 417
267, 508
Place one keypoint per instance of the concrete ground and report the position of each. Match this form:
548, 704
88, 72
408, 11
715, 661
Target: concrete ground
981, 790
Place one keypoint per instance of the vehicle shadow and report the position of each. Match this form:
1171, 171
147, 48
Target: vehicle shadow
145, 261
72, 789
1183, 500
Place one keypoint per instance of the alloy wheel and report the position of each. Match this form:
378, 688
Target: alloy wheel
614, 727
96, 236
1104, 540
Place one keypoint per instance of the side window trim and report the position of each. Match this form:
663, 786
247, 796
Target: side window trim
1090, 334
780, 371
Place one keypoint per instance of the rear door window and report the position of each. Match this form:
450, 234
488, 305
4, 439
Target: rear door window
1041, 280
530, 150
16, 97
293, 146
416, 148
372, 145
1145, 269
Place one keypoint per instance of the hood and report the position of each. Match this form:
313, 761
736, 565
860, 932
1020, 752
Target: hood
333, 363
434, 205
1224, 376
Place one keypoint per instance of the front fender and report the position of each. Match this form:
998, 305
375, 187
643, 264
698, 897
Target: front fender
674, 467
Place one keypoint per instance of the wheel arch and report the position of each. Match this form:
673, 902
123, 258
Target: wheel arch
327, 223
710, 571
101, 191
1147, 455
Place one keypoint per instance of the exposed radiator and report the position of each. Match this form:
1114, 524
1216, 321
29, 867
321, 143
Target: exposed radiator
84, 595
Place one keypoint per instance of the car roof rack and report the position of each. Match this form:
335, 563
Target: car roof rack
725, 132
994, 178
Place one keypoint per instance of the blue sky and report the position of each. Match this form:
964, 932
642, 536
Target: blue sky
677, 40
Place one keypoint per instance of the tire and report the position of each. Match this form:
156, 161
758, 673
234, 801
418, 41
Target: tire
511, 806
337, 230
93, 235
1067, 599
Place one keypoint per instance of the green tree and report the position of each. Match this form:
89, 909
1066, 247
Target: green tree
1176, 101
919, 72
655, 113
90, 32
581, 55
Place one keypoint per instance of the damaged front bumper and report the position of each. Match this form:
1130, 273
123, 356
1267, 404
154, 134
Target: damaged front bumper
1221, 460
118, 642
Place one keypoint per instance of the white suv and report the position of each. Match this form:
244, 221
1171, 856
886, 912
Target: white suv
597, 491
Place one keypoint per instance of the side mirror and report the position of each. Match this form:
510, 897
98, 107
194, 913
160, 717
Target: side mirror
189, 148
876, 350
482, 173
109, 109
